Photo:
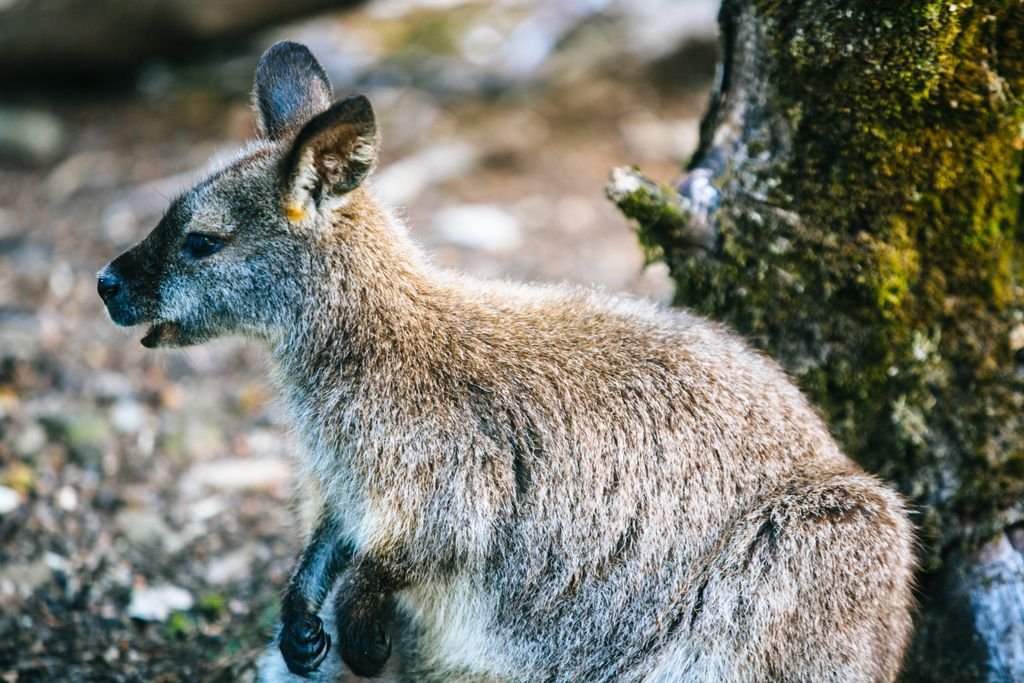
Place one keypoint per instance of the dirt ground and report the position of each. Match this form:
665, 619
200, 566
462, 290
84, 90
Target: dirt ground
146, 525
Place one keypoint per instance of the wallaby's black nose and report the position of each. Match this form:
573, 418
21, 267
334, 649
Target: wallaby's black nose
108, 286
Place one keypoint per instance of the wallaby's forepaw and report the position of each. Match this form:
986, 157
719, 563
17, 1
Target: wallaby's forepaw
304, 644
363, 646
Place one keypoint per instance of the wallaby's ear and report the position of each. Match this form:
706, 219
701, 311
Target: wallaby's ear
331, 155
290, 89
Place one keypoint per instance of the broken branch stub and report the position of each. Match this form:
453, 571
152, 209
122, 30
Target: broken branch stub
663, 214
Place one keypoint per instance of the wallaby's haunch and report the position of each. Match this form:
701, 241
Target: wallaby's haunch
509, 482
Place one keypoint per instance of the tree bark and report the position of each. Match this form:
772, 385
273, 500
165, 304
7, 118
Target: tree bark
855, 209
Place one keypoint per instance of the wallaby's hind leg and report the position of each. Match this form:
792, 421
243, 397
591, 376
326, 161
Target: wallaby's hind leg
812, 586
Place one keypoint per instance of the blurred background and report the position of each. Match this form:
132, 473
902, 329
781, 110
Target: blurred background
146, 525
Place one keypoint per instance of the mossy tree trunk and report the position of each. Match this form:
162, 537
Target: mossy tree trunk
855, 209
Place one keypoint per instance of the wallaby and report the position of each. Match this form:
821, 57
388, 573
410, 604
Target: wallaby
512, 482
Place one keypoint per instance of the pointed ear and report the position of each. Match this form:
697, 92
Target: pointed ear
290, 89
331, 155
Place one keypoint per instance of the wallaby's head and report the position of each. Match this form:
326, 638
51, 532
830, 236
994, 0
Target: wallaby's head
234, 253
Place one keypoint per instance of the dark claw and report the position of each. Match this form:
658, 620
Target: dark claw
364, 647
304, 644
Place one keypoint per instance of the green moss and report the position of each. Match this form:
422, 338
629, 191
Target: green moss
179, 625
898, 269
660, 218
212, 606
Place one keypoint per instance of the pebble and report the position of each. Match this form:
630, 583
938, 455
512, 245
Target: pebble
482, 227
236, 474
30, 441
234, 566
83, 171
31, 135
143, 529
155, 603
67, 499
127, 416
55, 562
10, 500
61, 281
109, 384
206, 509
24, 578
1017, 338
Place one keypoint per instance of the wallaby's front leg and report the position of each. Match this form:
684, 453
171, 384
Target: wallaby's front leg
364, 600
303, 641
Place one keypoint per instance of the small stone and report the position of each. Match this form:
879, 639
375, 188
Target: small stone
263, 443
67, 498
155, 603
119, 223
30, 441
61, 281
24, 578
109, 384
207, 508
83, 171
142, 529
55, 562
1017, 338
481, 44
127, 416
235, 474
482, 227
9, 500
234, 566
31, 135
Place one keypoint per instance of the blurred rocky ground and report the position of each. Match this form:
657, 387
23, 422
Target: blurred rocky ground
146, 524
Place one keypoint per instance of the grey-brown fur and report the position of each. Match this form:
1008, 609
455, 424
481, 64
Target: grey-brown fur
519, 483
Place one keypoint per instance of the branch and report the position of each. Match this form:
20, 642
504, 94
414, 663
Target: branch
667, 217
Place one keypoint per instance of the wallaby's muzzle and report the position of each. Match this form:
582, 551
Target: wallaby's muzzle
117, 297
128, 288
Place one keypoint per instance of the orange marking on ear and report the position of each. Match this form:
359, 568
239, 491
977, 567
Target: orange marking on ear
294, 211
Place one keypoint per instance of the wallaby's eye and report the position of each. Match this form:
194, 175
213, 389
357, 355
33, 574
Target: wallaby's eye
198, 245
